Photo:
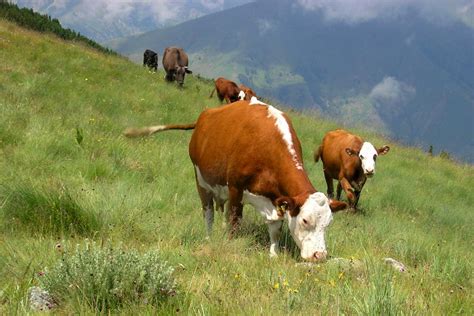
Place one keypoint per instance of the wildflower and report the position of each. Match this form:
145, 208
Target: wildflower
276, 286
341, 275
332, 283
237, 276
285, 283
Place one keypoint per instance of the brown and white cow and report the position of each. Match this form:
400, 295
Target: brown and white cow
175, 62
226, 90
246, 153
350, 160
246, 93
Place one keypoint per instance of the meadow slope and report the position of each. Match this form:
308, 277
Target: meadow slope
63, 108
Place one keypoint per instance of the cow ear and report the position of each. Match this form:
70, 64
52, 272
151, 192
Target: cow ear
188, 71
351, 152
336, 205
284, 204
383, 150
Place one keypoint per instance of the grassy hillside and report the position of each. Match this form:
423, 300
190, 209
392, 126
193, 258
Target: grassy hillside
67, 177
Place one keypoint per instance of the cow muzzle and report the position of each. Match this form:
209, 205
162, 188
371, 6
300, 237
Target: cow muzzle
369, 173
318, 256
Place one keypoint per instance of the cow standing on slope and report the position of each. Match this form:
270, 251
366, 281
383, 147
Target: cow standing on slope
249, 153
246, 93
226, 90
175, 63
348, 159
150, 59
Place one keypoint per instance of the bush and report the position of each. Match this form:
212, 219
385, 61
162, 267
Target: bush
45, 211
108, 278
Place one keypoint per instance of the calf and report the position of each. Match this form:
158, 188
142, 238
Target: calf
150, 59
249, 153
246, 93
347, 158
226, 90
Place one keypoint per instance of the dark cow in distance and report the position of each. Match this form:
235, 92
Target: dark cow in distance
150, 59
246, 153
350, 160
226, 90
175, 63
246, 93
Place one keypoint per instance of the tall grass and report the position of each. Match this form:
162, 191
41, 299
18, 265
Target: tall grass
141, 193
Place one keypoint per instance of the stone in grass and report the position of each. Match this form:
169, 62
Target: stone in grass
400, 267
40, 300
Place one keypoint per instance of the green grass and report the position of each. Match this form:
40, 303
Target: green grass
61, 185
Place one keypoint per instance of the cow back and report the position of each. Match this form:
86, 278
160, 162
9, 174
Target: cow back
174, 56
334, 155
238, 143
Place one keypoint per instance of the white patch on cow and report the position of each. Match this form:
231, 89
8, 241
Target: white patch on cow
284, 129
220, 192
366, 155
241, 95
263, 205
309, 226
254, 101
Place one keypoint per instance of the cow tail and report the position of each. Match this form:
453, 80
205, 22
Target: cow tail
148, 131
212, 93
317, 153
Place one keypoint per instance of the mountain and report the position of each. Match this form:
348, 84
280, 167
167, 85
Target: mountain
408, 74
104, 20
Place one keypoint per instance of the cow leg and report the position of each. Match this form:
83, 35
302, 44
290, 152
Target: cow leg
330, 185
207, 201
274, 229
348, 190
358, 192
339, 191
235, 209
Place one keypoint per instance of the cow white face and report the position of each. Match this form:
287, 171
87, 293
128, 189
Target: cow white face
309, 226
368, 155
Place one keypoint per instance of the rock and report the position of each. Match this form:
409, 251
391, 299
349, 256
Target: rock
400, 267
40, 300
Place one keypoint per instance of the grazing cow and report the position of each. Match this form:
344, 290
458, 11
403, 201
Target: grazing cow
249, 153
347, 158
246, 93
150, 59
175, 63
226, 89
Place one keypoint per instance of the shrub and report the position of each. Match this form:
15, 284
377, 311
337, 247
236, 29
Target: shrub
45, 211
108, 278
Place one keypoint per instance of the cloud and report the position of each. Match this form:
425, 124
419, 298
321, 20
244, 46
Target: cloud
390, 91
357, 11
212, 4
264, 26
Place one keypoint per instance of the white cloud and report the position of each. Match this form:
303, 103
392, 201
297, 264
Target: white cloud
391, 91
356, 11
213, 4
264, 26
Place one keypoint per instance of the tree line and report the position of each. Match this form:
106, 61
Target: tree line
44, 23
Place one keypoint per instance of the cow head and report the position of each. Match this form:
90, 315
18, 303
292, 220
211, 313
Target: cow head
308, 222
180, 73
368, 155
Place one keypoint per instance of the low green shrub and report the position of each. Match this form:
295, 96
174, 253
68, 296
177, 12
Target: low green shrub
109, 277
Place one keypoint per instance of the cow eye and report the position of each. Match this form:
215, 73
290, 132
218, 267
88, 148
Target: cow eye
375, 157
305, 221
361, 157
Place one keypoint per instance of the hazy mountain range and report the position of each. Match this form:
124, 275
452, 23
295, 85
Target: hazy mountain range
404, 70
103, 20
